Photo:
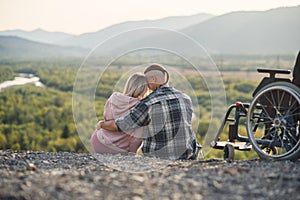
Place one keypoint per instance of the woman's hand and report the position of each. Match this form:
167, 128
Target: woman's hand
107, 125
99, 124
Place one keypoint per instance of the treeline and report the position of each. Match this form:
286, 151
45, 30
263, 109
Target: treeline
38, 119
6, 73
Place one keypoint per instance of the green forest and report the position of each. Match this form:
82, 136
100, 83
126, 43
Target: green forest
41, 119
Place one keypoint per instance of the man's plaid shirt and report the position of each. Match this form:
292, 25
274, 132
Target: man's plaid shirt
167, 115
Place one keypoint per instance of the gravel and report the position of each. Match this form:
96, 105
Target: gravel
66, 175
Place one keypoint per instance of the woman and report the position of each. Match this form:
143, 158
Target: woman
117, 105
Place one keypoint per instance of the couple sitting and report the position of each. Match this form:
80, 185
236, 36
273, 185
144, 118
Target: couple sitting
160, 123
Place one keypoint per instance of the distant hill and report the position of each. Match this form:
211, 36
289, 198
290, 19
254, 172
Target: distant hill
90, 40
268, 32
38, 35
12, 47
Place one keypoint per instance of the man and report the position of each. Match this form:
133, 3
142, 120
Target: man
165, 114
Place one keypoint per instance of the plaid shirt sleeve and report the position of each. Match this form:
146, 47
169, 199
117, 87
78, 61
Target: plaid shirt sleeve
136, 118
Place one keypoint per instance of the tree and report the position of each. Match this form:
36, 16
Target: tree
6, 73
3, 141
65, 134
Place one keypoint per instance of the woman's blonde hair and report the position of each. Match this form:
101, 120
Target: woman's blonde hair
136, 85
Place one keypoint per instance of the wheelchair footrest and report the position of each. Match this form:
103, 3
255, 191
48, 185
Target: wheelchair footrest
241, 146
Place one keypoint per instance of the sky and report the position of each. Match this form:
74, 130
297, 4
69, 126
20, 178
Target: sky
82, 16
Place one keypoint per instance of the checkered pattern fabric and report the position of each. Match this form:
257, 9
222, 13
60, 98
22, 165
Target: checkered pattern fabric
166, 115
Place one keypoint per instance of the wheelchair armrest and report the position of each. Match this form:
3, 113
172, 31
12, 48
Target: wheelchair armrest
272, 72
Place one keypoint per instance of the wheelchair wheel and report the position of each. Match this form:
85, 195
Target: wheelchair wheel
273, 122
228, 152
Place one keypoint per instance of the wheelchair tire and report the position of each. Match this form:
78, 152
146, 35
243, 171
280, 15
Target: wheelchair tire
273, 122
228, 152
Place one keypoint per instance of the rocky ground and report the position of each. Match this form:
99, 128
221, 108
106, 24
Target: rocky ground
45, 175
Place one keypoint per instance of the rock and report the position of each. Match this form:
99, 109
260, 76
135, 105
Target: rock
31, 166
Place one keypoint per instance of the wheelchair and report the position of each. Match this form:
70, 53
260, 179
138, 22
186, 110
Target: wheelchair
272, 119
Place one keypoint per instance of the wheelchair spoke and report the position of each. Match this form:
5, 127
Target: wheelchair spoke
296, 109
266, 119
270, 133
268, 129
291, 138
274, 102
292, 112
267, 113
281, 99
271, 103
290, 107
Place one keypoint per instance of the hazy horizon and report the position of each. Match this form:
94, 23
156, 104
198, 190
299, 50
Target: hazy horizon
93, 15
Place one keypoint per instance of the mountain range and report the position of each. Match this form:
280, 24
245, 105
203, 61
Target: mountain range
38, 35
273, 31
16, 47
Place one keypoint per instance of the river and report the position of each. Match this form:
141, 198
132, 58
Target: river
22, 79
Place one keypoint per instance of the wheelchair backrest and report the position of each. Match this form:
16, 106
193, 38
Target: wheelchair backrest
267, 80
271, 79
296, 71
